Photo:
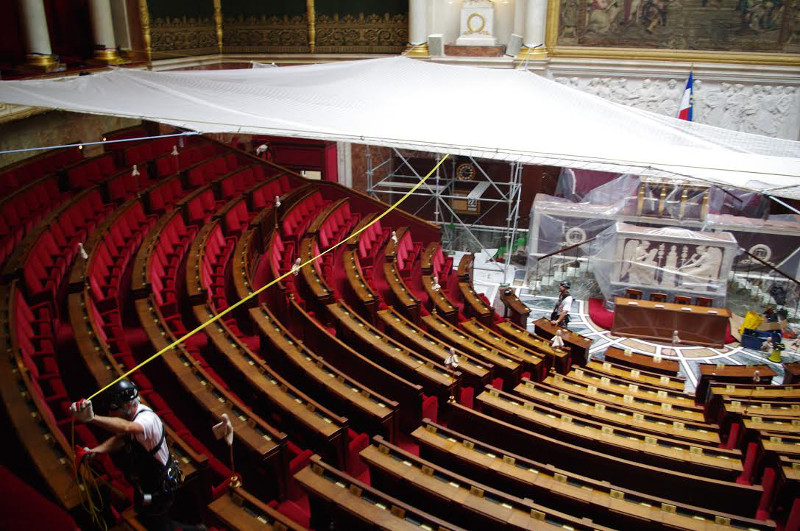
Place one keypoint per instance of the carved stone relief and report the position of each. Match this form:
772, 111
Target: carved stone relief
770, 110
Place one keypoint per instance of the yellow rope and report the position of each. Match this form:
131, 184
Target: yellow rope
261, 289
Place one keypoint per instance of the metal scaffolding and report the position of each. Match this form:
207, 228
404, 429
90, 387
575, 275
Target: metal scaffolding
457, 235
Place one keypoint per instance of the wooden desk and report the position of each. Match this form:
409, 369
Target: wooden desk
476, 373
626, 443
637, 375
474, 305
465, 267
643, 361
791, 373
434, 377
358, 366
440, 303
405, 299
616, 415
578, 345
366, 409
465, 502
316, 284
730, 374
516, 308
531, 360
427, 257
582, 495
337, 497
239, 509
726, 496
308, 422
355, 278
558, 358
696, 325
390, 251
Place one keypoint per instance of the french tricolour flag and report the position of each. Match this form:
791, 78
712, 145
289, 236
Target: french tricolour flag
687, 101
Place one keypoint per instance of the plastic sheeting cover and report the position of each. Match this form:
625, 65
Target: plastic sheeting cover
502, 114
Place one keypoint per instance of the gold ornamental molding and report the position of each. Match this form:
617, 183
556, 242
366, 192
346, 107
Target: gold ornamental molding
636, 54
218, 22
180, 36
144, 17
311, 15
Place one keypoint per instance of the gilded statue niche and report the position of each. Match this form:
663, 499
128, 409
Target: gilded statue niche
722, 30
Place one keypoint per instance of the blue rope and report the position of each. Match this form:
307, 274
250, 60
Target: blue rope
80, 144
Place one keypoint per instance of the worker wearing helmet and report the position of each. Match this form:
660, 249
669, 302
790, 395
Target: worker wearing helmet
140, 447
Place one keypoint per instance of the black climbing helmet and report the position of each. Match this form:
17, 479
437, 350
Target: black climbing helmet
565, 284
120, 394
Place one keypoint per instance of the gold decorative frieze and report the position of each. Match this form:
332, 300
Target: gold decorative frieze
183, 36
362, 34
266, 34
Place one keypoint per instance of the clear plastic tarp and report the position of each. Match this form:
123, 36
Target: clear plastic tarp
592, 202
663, 260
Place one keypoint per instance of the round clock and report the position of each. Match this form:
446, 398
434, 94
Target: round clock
465, 171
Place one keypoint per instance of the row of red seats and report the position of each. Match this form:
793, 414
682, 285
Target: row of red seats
163, 195
90, 171
125, 184
265, 195
24, 209
370, 243
236, 183
407, 253
281, 257
300, 215
206, 171
199, 206
29, 170
46, 263
111, 257
147, 150
165, 262
442, 265
337, 225
170, 164
236, 218
216, 256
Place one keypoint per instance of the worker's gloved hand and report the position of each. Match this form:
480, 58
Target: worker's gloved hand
82, 453
82, 410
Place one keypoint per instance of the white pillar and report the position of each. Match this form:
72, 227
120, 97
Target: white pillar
503, 20
344, 160
37, 37
417, 22
535, 23
103, 27
519, 17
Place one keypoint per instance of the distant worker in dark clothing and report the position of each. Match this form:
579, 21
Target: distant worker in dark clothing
560, 314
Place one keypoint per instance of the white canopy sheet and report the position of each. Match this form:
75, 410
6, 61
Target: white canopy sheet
503, 114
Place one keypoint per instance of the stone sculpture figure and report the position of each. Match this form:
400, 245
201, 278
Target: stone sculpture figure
703, 266
639, 263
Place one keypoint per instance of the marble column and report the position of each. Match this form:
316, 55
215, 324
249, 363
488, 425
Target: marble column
417, 22
535, 24
519, 17
37, 37
105, 44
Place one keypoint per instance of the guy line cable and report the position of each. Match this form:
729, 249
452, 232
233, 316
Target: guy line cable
274, 281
